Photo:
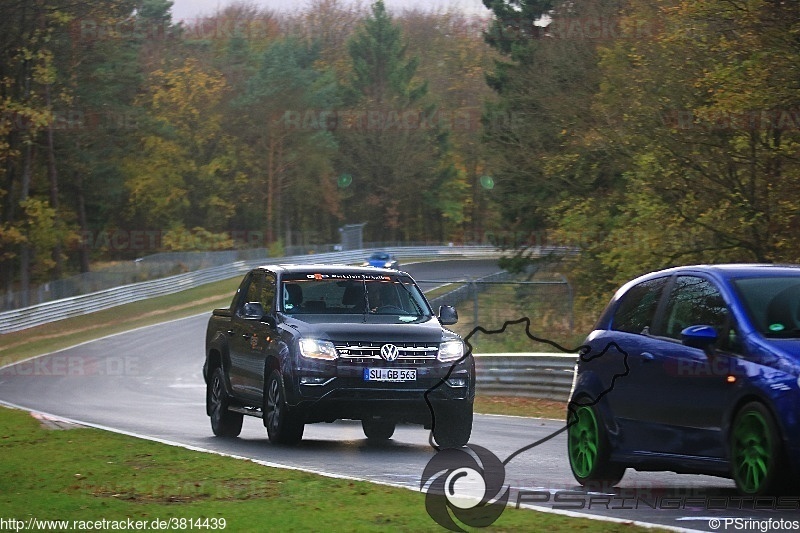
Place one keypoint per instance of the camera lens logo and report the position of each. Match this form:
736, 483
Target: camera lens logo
465, 484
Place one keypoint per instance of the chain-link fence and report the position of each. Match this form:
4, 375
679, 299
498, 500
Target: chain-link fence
163, 265
146, 268
157, 266
500, 313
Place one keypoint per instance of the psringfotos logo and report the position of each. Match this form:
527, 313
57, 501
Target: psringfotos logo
464, 484
467, 483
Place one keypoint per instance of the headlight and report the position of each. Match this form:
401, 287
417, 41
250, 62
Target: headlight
317, 349
387, 264
450, 351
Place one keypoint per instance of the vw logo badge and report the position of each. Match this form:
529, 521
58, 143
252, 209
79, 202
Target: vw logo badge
389, 352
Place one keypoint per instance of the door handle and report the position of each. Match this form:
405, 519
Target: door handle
230, 332
246, 336
647, 357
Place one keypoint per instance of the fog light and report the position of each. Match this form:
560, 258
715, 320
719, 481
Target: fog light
307, 380
457, 382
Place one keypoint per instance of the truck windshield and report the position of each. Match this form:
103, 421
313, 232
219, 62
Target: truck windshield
320, 294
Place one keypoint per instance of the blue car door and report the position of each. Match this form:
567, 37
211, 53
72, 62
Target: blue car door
689, 387
625, 368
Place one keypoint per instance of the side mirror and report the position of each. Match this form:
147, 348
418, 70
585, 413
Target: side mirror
702, 337
448, 315
253, 311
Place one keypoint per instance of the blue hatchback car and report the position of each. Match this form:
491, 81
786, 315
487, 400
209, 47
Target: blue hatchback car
382, 260
693, 370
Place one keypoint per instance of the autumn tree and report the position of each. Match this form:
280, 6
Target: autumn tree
329, 24
704, 112
541, 131
286, 144
390, 144
103, 75
40, 46
457, 87
179, 178
112, 117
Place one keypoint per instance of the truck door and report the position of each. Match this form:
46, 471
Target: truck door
243, 336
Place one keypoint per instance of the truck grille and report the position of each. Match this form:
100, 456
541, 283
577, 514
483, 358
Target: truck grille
414, 353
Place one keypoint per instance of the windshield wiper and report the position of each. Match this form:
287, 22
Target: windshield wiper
412, 299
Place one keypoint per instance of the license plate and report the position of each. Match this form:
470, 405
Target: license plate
390, 374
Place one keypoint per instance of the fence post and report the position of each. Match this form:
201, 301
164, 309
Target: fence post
475, 316
571, 303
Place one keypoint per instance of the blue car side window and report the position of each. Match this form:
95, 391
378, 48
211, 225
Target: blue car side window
637, 307
695, 301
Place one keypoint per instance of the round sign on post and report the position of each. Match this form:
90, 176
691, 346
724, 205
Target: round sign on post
487, 182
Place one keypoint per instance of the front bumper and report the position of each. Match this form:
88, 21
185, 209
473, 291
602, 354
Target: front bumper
336, 391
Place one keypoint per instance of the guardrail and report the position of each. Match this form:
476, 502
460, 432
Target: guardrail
536, 375
44, 313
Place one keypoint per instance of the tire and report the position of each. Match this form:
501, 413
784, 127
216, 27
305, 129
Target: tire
224, 423
589, 450
378, 429
283, 425
452, 425
756, 450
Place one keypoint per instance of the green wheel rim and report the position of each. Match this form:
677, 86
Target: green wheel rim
584, 440
752, 456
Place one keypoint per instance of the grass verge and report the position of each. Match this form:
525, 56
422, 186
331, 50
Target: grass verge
91, 475
514, 406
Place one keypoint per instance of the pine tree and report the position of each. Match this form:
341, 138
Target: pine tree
288, 168
391, 142
537, 132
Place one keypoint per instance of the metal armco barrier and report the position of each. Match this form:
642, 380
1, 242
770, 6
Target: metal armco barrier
536, 375
44, 313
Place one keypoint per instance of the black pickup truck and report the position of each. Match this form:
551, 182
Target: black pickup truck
305, 344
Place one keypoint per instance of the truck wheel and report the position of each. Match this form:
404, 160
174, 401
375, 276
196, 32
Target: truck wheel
378, 429
452, 425
282, 427
224, 423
